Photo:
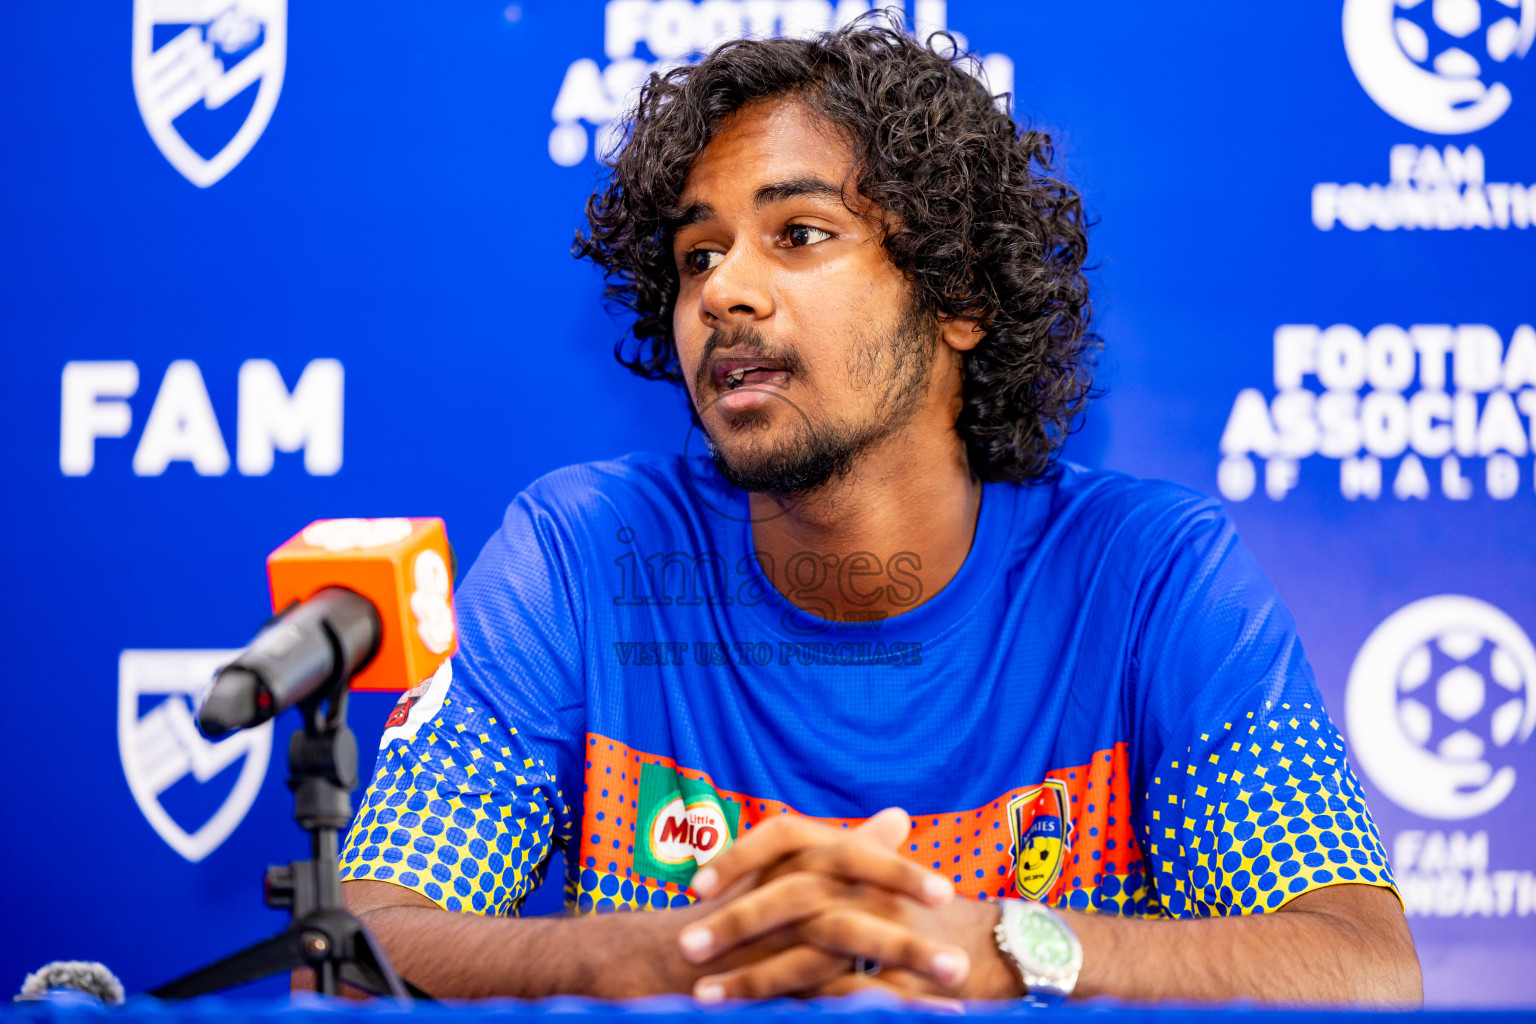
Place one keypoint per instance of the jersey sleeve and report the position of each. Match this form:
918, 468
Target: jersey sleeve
469, 794
1249, 800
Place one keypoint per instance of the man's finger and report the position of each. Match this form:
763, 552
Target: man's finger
794, 970
785, 900
789, 834
853, 933
765, 844
857, 862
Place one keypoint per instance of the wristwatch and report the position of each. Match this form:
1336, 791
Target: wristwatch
1042, 946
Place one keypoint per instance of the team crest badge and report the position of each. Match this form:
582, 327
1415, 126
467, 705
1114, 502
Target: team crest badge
1040, 820
417, 706
160, 746
206, 74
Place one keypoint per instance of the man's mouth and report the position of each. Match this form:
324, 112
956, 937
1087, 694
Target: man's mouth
734, 374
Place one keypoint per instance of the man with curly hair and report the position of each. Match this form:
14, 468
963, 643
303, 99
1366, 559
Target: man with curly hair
876, 693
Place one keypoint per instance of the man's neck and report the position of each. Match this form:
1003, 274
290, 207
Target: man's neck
881, 540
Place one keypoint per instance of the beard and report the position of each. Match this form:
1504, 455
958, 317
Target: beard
892, 366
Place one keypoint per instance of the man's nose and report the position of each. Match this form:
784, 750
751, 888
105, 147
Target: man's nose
736, 291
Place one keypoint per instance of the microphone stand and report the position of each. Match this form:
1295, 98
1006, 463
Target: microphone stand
323, 935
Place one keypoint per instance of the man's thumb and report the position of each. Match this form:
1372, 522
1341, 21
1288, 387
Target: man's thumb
888, 829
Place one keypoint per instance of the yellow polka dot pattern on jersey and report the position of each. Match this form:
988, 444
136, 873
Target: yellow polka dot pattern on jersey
434, 821
1257, 812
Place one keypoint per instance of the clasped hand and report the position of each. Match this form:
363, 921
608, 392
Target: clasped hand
831, 897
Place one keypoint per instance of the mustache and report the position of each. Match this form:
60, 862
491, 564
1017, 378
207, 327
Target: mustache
750, 343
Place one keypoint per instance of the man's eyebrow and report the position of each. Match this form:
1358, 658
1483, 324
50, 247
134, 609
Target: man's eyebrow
691, 215
767, 195
794, 187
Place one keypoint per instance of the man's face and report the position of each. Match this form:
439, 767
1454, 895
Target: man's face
798, 339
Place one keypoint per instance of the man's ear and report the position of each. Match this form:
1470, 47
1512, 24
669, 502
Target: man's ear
960, 335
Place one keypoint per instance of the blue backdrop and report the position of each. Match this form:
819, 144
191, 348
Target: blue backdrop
264, 265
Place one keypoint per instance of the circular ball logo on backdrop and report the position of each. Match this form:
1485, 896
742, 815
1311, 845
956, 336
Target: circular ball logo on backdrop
1438, 699
1425, 61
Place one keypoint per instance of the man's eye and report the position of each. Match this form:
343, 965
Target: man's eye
803, 234
700, 260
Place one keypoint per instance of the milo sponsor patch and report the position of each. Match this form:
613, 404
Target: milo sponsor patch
683, 825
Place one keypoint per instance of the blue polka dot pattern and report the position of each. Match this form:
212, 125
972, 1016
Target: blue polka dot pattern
1258, 811
458, 814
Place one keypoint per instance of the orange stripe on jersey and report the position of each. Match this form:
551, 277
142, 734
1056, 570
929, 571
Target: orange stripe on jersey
1098, 856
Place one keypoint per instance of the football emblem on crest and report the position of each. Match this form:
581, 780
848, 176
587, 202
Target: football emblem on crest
1041, 824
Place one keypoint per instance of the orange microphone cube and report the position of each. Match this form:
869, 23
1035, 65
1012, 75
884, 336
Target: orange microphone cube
401, 565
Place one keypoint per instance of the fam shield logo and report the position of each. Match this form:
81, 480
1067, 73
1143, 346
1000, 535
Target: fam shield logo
1427, 62
1040, 820
161, 747
1438, 700
206, 74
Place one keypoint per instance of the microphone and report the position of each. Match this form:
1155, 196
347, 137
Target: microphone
367, 602
84, 976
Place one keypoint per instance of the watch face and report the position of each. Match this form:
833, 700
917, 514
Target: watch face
1045, 942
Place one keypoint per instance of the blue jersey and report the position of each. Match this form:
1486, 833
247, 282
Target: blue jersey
1106, 708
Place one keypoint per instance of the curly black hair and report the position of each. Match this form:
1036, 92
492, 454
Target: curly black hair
972, 217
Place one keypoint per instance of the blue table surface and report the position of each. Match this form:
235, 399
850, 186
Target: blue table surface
873, 1009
